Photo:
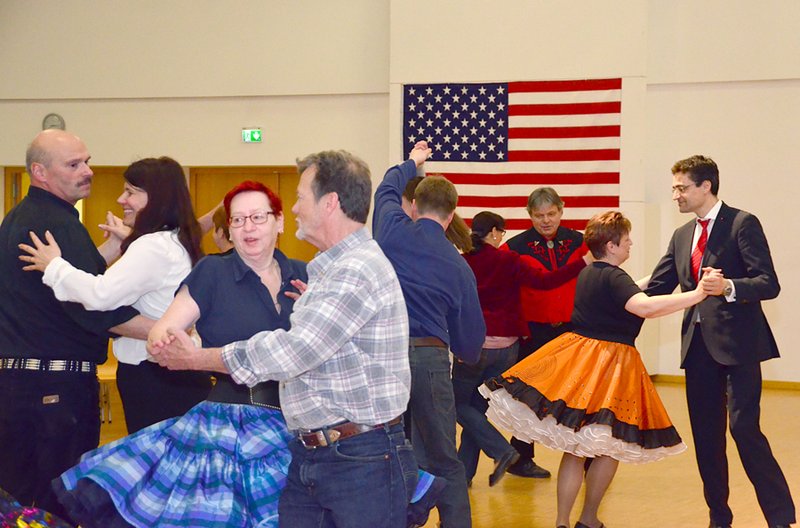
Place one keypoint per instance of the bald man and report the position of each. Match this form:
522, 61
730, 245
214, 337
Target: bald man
49, 350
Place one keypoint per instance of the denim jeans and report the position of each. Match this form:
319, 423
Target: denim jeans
477, 432
433, 424
364, 480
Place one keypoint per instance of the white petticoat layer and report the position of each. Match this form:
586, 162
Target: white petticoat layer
589, 441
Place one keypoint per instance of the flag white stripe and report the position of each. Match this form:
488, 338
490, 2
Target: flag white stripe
564, 143
524, 190
527, 167
573, 120
590, 96
570, 213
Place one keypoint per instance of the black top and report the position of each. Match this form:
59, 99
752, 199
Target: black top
234, 306
601, 294
33, 323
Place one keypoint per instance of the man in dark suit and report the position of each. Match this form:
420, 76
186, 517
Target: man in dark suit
724, 338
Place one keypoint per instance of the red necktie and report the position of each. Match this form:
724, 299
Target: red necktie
697, 254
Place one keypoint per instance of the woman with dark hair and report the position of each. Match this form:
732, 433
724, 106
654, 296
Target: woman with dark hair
499, 275
159, 242
587, 392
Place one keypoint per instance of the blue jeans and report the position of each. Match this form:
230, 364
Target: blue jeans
433, 425
364, 480
477, 432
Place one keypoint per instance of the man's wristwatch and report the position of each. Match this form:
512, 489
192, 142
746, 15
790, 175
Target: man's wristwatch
728, 289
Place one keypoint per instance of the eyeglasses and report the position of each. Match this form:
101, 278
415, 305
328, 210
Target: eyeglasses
256, 218
680, 189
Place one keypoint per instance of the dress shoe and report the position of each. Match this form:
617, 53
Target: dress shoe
528, 469
502, 465
581, 525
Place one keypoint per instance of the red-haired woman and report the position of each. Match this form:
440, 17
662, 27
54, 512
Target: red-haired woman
223, 463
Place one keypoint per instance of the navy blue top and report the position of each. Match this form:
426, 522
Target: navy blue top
234, 303
33, 323
600, 297
439, 287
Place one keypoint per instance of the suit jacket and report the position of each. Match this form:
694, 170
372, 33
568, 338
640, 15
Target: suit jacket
735, 333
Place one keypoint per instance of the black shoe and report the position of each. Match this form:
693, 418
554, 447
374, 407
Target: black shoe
581, 525
714, 525
529, 469
779, 526
418, 512
502, 465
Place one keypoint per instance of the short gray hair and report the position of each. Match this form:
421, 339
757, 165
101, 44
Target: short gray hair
544, 196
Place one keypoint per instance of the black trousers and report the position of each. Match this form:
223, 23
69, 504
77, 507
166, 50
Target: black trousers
151, 393
541, 334
715, 392
47, 421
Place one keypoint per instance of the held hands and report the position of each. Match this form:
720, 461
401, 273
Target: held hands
114, 227
42, 254
712, 282
175, 350
420, 153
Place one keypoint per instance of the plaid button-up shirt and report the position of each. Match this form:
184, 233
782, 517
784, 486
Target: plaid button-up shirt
346, 355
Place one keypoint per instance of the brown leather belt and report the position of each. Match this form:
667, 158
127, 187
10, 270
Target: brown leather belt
427, 342
336, 433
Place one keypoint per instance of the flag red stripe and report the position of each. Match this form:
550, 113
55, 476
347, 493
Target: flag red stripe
608, 107
565, 86
563, 178
564, 132
522, 201
564, 155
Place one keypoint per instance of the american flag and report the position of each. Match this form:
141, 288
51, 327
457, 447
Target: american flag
497, 142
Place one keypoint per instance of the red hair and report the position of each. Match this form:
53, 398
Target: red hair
253, 186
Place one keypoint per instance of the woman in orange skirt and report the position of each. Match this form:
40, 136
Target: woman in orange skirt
587, 392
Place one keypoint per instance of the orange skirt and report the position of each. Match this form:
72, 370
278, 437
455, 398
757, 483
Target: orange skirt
587, 397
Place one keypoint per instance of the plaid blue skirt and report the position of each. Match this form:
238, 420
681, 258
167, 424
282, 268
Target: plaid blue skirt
220, 464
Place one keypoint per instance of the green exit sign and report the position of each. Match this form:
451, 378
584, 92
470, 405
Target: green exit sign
251, 135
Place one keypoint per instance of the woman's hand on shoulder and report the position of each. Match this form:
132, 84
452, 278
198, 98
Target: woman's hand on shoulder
40, 254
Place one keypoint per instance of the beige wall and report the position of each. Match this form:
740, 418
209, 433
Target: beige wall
183, 77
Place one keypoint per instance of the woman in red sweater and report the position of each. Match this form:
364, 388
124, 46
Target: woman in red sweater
499, 275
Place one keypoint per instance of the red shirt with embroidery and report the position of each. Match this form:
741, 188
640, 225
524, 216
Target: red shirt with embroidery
548, 306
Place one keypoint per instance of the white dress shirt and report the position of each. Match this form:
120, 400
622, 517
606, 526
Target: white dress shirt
145, 277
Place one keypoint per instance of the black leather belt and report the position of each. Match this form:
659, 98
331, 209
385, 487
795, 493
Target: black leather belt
227, 391
336, 433
429, 341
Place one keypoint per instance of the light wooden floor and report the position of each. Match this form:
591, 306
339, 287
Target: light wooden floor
665, 494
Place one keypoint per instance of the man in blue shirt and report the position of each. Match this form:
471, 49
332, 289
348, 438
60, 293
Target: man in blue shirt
443, 312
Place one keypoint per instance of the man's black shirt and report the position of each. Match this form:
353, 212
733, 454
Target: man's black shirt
33, 323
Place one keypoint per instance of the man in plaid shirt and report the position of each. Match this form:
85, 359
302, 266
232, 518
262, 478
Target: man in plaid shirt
343, 366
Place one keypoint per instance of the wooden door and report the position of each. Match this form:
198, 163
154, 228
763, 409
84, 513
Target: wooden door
17, 182
210, 184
